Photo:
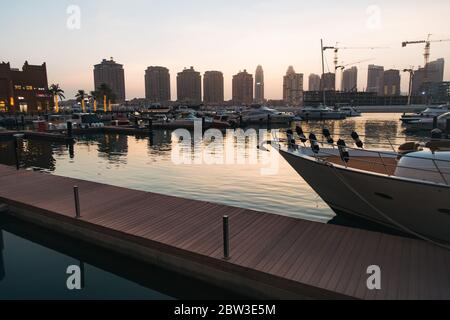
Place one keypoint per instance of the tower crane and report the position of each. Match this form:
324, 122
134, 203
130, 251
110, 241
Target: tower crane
411, 79
427, 43
352, 64
337, 49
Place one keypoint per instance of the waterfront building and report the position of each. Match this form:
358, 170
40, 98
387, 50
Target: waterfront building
213, 87
24, 90
375, 79
350, 80
392, 82
259, 85
328, 82
243, 88
157, 84
293, 87
113, 75
189, 86
314, 82
433, 74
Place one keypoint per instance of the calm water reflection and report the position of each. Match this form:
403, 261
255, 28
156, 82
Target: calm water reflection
33, 264
146, 164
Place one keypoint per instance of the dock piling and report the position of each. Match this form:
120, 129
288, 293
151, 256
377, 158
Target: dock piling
269, 121
447, 127
16, 153
77, 201
226, 237
69, 129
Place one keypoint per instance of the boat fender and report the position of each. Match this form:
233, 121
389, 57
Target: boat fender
343, 151
358, 141
314, 144
301, 134
327, 135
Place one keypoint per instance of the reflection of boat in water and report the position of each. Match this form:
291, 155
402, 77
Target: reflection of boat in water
430, 112
263, 114
321, 113
408, 191
427, 123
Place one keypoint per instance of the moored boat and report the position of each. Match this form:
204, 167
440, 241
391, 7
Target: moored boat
408, 191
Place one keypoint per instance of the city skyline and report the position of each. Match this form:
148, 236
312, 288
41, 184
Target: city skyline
274, 42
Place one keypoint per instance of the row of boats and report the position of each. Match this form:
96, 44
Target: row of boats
263, 115
431, 118
407, 190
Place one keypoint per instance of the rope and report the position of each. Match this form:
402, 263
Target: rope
394, 222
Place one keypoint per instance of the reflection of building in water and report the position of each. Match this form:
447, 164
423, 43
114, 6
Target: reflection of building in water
2, 263
32, 154
37, 154
7, 156
381, 133
113, 147
160, 144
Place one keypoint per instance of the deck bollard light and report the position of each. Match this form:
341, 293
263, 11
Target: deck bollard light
150, 126
226, 237
77, 202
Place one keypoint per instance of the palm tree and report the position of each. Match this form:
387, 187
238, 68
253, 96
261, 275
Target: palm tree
94, 95
108, 96
81, 96
57, 92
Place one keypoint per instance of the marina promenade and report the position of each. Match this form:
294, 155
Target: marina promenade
271, 256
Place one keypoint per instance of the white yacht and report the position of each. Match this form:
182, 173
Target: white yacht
430, 112
263, 114
321, 113
427, 123
350, 111
408, 191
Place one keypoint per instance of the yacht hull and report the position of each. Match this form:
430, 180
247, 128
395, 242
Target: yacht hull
402, 204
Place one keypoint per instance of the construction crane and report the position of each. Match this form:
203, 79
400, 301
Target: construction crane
352, 64
411, 79
428, 43
343, 67
337, 49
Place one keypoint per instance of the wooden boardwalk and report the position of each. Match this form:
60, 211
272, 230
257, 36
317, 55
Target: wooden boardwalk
271, 256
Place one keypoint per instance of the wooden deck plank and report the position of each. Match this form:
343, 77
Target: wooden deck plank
329, 259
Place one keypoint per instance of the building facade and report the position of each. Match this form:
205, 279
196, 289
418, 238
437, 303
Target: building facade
189, 86
213, 88
328, 82
434, 73
24, 90
375, 79
157, 84
293, 87
314, 82
392, 82
113, 75
243, 88
350, 80
259, 85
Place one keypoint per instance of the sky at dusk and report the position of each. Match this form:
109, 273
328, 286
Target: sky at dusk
227, 35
